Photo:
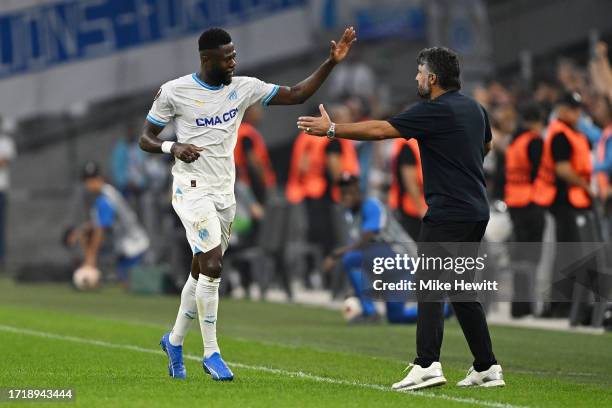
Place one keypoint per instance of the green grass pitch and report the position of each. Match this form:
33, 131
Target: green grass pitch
105, 346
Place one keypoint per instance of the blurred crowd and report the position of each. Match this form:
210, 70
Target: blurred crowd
552, 154
552, 157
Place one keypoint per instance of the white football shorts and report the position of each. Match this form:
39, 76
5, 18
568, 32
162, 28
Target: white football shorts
207, 219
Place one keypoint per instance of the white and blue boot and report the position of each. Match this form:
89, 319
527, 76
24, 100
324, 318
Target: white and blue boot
176, 367
216, 367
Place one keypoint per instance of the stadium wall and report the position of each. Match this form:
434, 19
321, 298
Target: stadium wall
56, 54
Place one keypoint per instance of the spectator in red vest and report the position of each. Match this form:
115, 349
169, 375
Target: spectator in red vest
251, 156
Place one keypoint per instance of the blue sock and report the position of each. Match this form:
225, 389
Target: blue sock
398, 312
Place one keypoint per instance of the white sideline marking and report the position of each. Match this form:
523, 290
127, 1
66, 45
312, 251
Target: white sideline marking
320, 349
568, 374
295, 374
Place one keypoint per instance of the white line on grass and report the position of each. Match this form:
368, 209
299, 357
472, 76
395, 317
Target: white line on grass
286, 373
323, 350
568, 374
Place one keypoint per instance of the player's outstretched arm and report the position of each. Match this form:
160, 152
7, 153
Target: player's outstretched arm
301, 92
149, 141
368, 130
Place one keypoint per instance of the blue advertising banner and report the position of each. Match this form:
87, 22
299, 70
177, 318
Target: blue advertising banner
36, 38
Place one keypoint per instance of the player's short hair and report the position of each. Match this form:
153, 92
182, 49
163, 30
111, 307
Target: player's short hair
213, 38
443, 62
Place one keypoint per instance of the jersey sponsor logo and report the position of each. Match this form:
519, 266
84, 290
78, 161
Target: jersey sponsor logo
217, 120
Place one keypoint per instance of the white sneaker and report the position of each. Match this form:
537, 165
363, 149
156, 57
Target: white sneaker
420, 377
493, 377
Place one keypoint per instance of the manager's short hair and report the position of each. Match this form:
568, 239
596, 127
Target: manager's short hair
213, 38
443, 62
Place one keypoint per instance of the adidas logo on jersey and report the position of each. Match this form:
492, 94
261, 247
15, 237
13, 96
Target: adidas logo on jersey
233, 96
217, 120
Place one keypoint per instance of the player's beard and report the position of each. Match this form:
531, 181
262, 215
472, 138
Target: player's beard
424, 91
227, 79
220, 76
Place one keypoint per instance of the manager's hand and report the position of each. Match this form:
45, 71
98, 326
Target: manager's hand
316, 126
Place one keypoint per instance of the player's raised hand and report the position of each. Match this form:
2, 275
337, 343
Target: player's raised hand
313, 125
338, 51
186, 152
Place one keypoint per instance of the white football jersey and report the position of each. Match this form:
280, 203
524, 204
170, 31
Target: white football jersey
208, 116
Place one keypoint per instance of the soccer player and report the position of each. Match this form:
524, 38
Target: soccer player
110, 218
374, 233
453, 134
207, 108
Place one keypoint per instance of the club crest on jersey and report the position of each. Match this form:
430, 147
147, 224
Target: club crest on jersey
217, 120
203, 234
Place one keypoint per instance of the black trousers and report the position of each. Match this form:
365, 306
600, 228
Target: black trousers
571, 264
528, 223
471, 316
528, 226
322, 233
321, 229
562, 285
412, 225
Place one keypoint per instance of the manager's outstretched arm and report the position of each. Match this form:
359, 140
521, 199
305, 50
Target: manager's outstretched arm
302, 91
368, 130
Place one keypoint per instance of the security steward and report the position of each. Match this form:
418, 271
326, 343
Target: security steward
523, 156
251, 156
406, 192
563, 186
